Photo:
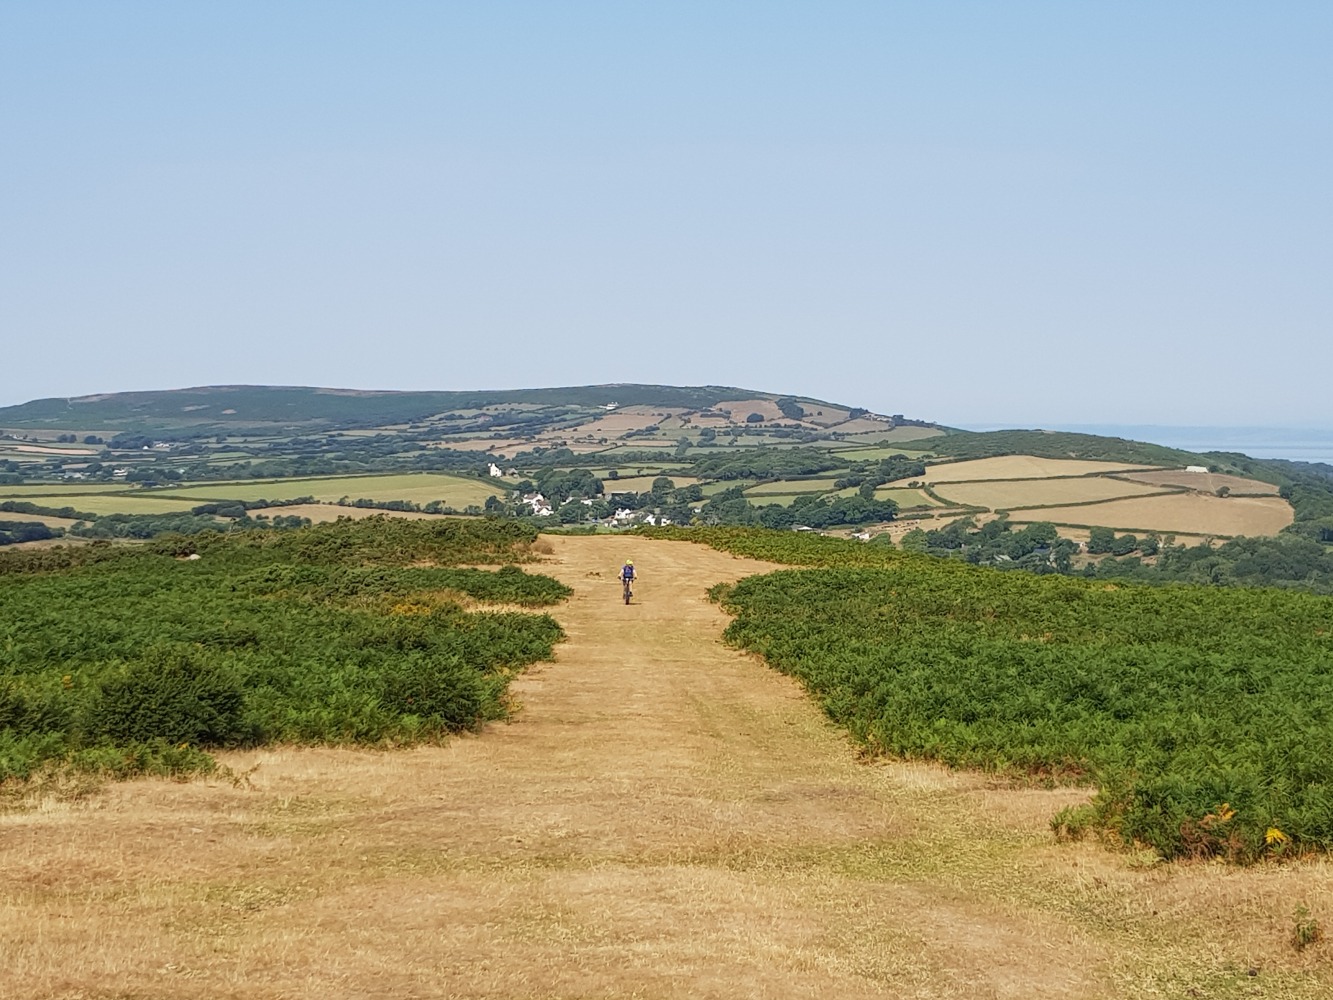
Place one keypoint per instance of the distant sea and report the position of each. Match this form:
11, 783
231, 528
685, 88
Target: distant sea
1298, 444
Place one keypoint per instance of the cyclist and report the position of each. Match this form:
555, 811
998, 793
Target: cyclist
627, 578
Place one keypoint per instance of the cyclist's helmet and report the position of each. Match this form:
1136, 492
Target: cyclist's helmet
629, 562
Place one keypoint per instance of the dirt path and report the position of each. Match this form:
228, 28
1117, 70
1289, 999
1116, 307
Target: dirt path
663, 818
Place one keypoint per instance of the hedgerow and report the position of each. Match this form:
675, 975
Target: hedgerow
137, 658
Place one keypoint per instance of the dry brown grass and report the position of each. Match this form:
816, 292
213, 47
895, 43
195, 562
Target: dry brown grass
663, 818
32, 449
616, 423
50, 522
1206, 482
742, 408
1180, 513
864, 425
1017, 467
1017, 493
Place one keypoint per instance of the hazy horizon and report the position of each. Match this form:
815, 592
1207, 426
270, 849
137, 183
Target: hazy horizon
1030, 213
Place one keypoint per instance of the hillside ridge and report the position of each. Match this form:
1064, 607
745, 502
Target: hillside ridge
304, 408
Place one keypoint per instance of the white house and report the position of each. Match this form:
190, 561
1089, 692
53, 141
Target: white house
538, 503
1196, 468
495, 471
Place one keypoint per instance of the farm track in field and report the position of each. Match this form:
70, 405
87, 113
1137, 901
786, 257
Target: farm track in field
663, 817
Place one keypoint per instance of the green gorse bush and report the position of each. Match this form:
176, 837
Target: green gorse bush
124, 660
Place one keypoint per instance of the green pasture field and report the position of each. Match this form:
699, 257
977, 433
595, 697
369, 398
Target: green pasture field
791, 486
898, 434
720, 485
856, 453
34, 490
906, 498
781, 499
417, 487
903, 498
124, 503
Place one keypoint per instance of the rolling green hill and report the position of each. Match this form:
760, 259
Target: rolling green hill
296, 409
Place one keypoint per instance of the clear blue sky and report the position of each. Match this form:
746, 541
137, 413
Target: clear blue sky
1033, 213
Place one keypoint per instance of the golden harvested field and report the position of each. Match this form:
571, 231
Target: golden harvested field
742, 408
823, 416
1012, 494
617, 422
321, 513
1206, 482
1018, 467
417, 487
664, 817
1181, 513
864, 425
32, 449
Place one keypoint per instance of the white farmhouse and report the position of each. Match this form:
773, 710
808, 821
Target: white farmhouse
539, 504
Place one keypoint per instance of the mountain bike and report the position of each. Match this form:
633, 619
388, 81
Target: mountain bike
628, 592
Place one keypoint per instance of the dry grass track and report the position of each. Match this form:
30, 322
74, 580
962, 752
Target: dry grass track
664, 818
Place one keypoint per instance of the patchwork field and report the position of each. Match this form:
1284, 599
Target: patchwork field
1206, 482
618, 422
642, 484
418, 487
862, 454
50, 522
481, 444
1017, 467
37, 493
783, 486
1012, 494
723, 485
110, 503
1182, 513
32, 449
864, 425
322, 513
905, 498
742, 408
